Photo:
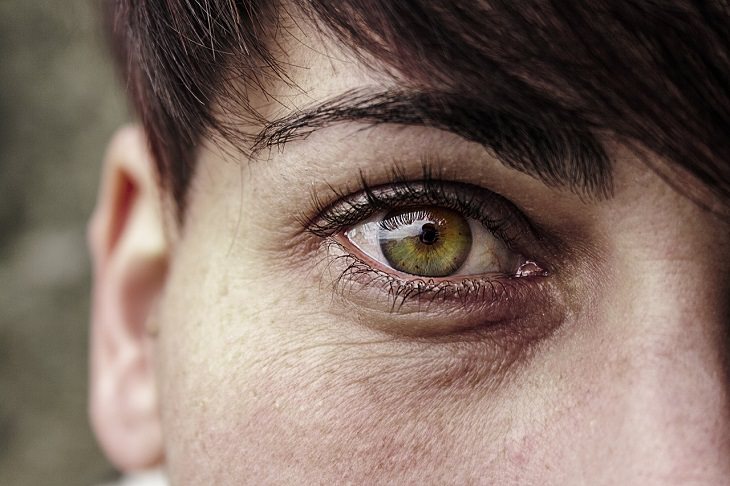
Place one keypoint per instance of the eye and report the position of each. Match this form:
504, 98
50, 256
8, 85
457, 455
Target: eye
432, 257
435, 242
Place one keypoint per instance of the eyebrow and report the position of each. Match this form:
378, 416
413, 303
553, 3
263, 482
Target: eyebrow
536, 138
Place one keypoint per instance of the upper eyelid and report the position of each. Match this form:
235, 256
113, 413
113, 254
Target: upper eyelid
500, 217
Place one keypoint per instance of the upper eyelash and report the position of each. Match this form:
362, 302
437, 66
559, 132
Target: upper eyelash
471, 201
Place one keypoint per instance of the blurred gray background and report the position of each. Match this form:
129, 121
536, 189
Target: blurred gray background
59, 104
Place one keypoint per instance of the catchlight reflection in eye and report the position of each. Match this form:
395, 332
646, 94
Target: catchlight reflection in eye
430, 241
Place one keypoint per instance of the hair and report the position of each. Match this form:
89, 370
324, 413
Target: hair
655, 74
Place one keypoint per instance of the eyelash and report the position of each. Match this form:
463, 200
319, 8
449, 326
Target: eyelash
497, 214
468, 291
510, 225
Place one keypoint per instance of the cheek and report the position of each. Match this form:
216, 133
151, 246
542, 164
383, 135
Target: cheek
258, 385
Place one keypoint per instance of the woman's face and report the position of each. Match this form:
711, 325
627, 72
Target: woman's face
393, 304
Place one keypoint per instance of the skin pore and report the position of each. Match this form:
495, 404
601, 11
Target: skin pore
240, 347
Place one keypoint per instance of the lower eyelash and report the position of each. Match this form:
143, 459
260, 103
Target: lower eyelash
424, 292
497, 310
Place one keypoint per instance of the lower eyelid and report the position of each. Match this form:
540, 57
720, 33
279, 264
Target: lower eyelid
414, 308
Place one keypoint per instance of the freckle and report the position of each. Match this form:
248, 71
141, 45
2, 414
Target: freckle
202, 405
223, 289
520, 452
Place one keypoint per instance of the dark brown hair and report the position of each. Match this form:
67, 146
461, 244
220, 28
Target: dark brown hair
655, 74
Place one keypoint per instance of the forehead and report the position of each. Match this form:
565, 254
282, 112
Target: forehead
587, 66
323, 81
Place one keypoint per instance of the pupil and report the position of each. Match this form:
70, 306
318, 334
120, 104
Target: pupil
429, 234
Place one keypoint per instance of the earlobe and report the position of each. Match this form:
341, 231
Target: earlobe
130, 255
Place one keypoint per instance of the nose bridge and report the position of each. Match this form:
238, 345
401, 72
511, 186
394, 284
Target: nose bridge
675, 424
675, 399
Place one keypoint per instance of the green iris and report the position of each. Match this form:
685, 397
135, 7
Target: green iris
425, 241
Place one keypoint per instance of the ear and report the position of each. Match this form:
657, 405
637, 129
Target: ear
130, 255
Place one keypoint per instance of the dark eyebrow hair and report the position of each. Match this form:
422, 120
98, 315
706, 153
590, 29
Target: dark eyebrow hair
534, 138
